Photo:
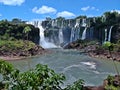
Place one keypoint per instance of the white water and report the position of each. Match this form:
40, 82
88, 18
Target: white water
73, 64
109, 37
77, 23
91, 65
84, 34
84, 22
60, 36
72, 35
43, 42
105, 35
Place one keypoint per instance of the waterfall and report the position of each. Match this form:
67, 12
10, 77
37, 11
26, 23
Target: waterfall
84, 34
43, 42
41, 34
77, 29
77, 23
110, 32
60, 36
72, 35
83, 22
105, 35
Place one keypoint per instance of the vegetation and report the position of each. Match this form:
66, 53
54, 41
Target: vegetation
26, 30
14, 36
112, 83
39, 78
8, 45
16, 29
12, 48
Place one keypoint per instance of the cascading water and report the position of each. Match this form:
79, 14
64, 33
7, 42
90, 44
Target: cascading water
75, 31
77, 28
105, 35
42, 42
110, 32
84, 22
72, 35
84, 34
61, 36
77, 23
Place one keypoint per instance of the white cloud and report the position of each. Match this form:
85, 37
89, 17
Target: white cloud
65, 14
116, 11
93, 8
44, 10
12, 2
85, 8
89, 8
36, 19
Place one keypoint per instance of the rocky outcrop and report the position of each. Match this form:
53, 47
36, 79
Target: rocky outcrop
20, 49
94, 49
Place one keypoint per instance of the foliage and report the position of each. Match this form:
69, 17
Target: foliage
17, 29
77, 85
11, 46
17, 21
26, 30
110, 85
5, 71
111, 46
39, 78
108, 45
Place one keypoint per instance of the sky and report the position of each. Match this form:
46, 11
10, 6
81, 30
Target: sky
40, 9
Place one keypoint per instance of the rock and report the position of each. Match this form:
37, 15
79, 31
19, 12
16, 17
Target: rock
108, 56
94, 88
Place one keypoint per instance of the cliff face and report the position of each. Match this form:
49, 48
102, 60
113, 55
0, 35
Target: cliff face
116, 33
96, 28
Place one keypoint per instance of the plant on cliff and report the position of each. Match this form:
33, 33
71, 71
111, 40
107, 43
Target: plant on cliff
26, 30
39, 78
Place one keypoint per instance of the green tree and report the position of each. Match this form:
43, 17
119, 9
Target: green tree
26, 30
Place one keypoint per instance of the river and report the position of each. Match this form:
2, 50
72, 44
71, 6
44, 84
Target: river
73, 64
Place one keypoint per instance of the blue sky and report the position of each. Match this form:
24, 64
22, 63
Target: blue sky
40, 9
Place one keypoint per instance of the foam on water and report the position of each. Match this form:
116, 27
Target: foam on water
91, 65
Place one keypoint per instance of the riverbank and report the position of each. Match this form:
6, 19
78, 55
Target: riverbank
95, 50
19, 49
115, 56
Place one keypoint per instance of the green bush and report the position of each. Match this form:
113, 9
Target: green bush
39, 78
8, 45
110, 85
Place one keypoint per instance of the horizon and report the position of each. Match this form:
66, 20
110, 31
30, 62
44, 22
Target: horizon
29, 10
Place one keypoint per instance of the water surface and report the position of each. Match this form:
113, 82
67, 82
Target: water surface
74, 64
